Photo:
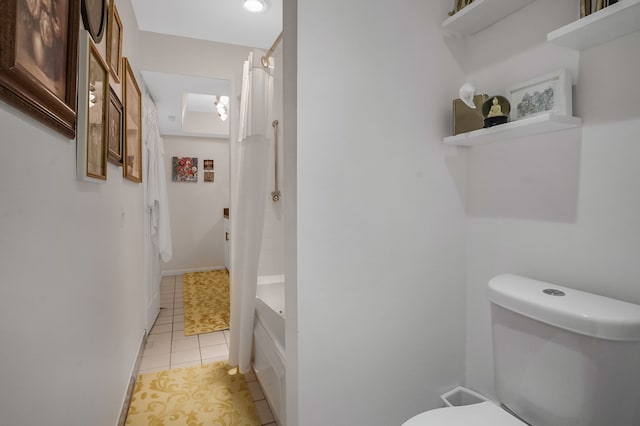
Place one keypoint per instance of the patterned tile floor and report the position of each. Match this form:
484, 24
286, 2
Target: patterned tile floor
167, 346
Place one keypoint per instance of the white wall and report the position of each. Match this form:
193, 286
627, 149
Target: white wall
562, 207
71, 289
196, 209
380, 220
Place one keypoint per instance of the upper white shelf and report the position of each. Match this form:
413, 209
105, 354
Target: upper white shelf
613, 21
544, 123
480, 14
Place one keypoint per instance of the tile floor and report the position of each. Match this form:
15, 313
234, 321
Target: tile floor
167, 346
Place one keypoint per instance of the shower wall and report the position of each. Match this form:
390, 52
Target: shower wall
272, 252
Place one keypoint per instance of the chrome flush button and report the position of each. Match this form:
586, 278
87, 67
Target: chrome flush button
553, 292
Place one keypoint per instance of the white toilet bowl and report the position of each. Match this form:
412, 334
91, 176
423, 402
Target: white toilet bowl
481, 414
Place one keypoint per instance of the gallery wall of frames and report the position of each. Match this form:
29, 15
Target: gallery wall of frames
61, 63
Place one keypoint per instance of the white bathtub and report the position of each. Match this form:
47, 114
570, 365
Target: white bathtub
269, 344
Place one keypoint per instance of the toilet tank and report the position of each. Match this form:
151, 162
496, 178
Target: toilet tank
565, 357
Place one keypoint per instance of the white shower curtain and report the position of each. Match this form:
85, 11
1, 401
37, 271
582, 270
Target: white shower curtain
247, 215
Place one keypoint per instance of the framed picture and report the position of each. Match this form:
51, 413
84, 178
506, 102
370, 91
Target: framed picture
208, 164
115, 126
114, 43
133, 125
94, 14
185, 169
93, 103
38, 60
548, 93
208, 176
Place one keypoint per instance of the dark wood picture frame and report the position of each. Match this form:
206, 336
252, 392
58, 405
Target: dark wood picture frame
38, 66
133, 125
115, 126
93, 104
114, 43
94, 17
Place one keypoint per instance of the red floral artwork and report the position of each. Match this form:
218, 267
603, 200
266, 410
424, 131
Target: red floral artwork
185, 169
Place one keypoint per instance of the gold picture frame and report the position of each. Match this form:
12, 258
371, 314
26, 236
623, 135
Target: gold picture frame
93, 103
132, 169
38, 66
115, 120
114, 43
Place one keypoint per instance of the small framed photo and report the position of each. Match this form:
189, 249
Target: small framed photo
548, 93
208, 164
93, 91
115, 127
133, 125
208, 176
114, 43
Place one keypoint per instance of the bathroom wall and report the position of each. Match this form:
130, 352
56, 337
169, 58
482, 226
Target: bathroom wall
380, 217
179, 55
196, 209
563, 207
71, 288
272, 250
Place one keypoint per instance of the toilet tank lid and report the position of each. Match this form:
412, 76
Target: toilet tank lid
576, 311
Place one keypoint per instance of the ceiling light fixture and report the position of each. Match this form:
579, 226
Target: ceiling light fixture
256, 6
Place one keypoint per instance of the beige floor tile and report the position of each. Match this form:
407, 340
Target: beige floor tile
164, 320
178, 326
178, 311
185, 356
154, 361
190, 342
216, 359
255, 390
178, 305
250, 376
161, 328
179, 334
214, 351
159, 347
211, 339
166, 313
264, 412
186, 364
154, 369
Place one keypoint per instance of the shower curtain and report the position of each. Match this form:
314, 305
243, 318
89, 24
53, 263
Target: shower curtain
247, 213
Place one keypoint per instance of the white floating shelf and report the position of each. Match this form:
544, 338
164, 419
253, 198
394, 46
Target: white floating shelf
480, 14
544, 123
607, 24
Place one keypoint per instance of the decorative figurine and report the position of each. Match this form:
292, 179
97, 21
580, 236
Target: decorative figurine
496, 111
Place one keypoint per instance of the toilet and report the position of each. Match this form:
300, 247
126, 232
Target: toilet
562, 357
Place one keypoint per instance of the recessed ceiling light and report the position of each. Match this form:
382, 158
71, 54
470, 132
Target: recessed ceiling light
256, 6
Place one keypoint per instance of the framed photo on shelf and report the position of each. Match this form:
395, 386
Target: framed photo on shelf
133, 125
93, 103
115, 120
114, 43
548, 93
38, 57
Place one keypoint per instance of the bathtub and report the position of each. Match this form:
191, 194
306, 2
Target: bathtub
269, 344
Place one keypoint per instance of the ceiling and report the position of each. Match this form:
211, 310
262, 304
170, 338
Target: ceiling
222, 21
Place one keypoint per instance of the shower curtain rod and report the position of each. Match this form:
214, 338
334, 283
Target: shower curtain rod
265, 58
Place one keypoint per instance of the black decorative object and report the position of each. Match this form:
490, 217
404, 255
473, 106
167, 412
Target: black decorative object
495, 111
94, 14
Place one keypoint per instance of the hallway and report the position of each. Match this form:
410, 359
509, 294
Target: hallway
168, 348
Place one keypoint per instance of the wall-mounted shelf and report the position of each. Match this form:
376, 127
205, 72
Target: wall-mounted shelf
480, 14
613, 21
544, 123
